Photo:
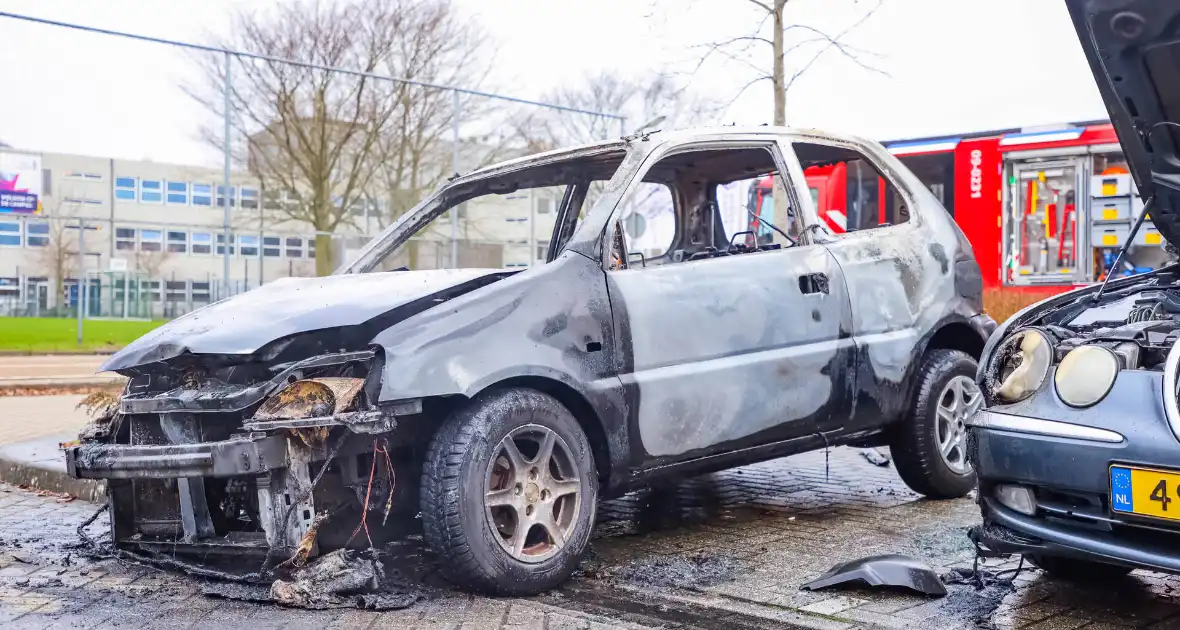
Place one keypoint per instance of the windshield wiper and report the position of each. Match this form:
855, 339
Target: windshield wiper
772, 226
1118, 259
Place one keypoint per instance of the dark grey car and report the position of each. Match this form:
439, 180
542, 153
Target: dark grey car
1078, 454
501, 404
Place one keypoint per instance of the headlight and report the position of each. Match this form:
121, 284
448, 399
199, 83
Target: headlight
1019, 365
1086, 375
311, 398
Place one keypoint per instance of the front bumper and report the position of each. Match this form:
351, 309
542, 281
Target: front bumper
1064, 455
1007, 531
245, 455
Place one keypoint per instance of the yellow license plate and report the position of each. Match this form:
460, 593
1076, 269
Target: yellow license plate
1145, 492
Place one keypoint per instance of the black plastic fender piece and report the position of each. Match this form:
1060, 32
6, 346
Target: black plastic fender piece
887, 570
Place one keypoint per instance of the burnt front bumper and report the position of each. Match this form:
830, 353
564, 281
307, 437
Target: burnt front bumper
1006, 531
245, 455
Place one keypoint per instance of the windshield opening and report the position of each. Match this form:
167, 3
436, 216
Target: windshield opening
506, 220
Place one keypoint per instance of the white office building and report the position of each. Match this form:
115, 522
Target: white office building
154, 241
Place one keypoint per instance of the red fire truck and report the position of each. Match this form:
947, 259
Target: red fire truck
1045, 207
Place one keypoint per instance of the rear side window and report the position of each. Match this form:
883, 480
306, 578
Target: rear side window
849, 191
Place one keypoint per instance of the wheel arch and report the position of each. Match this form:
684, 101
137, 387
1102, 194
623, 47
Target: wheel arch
578, 405
956, 335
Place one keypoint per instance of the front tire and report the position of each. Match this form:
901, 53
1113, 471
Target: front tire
509, 493
929, 447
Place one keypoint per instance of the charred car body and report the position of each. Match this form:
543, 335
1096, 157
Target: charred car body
1077, 453
501, 404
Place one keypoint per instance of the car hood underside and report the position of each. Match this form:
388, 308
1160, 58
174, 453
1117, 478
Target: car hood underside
246, 323
1133, 47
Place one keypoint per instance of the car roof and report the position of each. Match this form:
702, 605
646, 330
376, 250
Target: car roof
659, 136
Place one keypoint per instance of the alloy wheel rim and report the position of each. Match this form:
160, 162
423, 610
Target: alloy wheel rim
532, 494
959, 399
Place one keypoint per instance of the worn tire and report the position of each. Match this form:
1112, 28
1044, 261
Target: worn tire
1078, 571
454, 476
914, 442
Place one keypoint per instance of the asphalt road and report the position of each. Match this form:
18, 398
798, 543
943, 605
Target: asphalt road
64, 367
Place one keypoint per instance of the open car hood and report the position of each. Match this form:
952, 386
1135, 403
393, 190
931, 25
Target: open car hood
245, 323
1133, 47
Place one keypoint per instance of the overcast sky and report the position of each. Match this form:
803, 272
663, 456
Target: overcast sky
947, 66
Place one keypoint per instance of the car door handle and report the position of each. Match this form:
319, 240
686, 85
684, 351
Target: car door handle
813, 284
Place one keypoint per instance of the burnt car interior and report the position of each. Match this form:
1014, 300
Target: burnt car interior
691, 180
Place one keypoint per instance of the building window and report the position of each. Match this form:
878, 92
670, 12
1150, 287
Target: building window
37, 234
200, 291
202, 243
248, 245
177, 242
542, 249
151, 240
10, 234
151, 191
544, 205
294, 247
233, 192
202, 195
125, 188
272, 199
178, 193
311, 247
91, 177
82, 201
125, 239
153, 290
249, 198
271, 246
221, 244
175, 291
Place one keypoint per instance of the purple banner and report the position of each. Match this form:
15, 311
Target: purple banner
19, 202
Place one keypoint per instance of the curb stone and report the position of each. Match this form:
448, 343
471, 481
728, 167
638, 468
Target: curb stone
46, 474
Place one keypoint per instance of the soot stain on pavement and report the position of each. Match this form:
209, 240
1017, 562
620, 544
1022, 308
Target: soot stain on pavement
694, 571
973, 595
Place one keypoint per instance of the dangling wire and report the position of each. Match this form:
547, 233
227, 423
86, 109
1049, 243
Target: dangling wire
364, 524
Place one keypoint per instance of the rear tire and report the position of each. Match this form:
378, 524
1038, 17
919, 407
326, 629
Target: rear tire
929, 447
1078, 571
504, 517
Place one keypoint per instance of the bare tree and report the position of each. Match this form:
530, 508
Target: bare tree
790, 48
150, 264
322, 136
651, 100
58, 257
414, 152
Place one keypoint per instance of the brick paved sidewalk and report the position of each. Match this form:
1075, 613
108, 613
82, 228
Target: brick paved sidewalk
727, 550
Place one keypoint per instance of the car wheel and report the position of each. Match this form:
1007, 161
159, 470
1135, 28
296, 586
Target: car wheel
930, 447
1074, 570
509, 493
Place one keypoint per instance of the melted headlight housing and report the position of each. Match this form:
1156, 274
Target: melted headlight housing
1019, 366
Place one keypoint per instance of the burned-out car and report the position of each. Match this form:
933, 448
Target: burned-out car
660, 336
1077, 452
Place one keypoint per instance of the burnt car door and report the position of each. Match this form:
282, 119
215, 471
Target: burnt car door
724, 345
899, 265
